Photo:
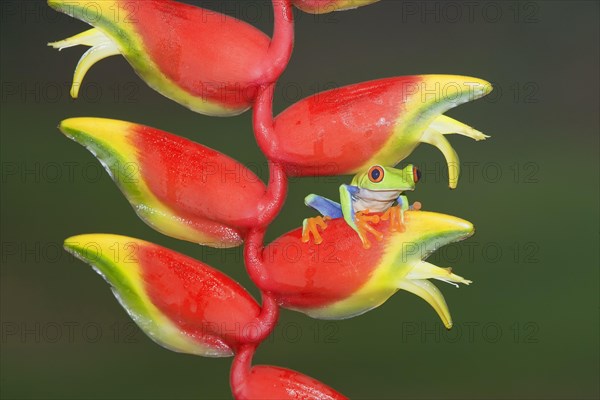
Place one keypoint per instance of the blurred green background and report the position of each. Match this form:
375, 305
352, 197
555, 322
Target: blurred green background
527, 328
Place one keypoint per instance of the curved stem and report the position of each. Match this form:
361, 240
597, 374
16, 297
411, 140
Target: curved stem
266, 321
282, 43
280, 51
253, 257
265, 137
240, 369
263, 122
274, 197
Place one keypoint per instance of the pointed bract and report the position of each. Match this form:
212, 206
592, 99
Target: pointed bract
204, 60
180, 303
339, 278
177, 186
346, 130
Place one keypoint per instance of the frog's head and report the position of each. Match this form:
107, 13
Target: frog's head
379, 178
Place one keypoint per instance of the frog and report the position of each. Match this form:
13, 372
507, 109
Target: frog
369, 198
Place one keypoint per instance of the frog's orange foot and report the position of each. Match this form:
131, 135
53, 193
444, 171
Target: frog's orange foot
311, 225
396, 217
363, 221
416, 206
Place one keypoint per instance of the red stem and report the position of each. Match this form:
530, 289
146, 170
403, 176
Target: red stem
240, 369
265, 137
263, 121
253, 249
282, 43
274, 197
266, 321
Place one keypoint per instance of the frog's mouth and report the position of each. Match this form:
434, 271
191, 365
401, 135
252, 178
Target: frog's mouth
383, 196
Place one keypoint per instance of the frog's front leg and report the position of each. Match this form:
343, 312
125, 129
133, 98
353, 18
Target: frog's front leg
396, 214
328, 208
359, 221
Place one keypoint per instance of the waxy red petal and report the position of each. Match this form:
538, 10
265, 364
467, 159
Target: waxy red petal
309, 275
339, 278
338, 128
346, 130
209, 62
182, 304
207, 54
177, 186
197, 180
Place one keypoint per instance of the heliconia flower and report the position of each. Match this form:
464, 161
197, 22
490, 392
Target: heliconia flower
180, 303
338, 278
326, 6
346, 130
267, 382
177, 186
204, 60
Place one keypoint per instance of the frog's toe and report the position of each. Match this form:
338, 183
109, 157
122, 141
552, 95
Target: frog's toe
363, 221
311, 226
396, 217
365, 242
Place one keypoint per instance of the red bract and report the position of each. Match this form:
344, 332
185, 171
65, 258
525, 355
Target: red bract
266, 382
177, 186
275, 383
182, 304
346, 130
339, 278
204, 60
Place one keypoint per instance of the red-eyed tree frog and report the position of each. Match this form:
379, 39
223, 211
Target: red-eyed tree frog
372, 191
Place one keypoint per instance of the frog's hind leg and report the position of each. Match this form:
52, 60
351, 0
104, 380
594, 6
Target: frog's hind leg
327, 208
438, 140
312, 226
448, 126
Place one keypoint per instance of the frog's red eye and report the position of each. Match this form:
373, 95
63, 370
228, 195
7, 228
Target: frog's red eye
376, 174
416, 174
